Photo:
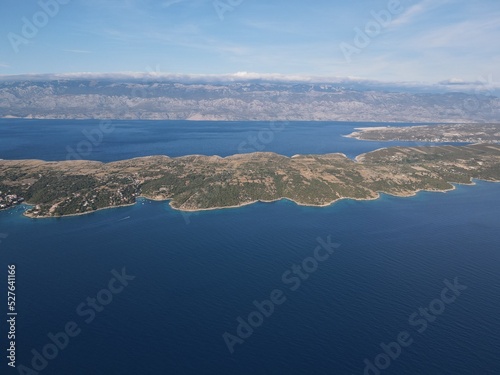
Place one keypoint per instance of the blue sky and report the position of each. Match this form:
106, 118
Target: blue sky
426, 40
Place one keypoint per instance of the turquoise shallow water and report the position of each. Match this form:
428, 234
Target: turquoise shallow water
195, 275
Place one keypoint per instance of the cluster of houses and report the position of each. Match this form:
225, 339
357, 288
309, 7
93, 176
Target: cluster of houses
9, 200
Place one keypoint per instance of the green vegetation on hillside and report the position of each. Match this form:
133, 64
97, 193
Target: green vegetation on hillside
207, 182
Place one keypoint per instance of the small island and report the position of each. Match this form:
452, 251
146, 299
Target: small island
198, 182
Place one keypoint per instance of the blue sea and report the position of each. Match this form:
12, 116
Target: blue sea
185, 280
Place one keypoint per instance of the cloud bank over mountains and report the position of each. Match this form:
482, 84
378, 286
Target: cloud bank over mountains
484, 85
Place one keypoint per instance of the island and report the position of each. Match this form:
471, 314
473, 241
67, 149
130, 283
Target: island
197, 182
452, 133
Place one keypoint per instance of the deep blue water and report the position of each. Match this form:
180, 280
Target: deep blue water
56, 139
195, 275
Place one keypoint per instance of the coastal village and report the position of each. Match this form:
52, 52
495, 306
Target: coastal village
8, 200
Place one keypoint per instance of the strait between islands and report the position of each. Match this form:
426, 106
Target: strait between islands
196, 182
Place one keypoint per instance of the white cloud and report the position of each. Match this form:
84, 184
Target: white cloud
250, 76
169, 3
453, 81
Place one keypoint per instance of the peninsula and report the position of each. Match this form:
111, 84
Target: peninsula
456, 133
197, 182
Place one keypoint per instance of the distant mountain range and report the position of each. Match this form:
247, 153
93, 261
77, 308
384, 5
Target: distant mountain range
241, 97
